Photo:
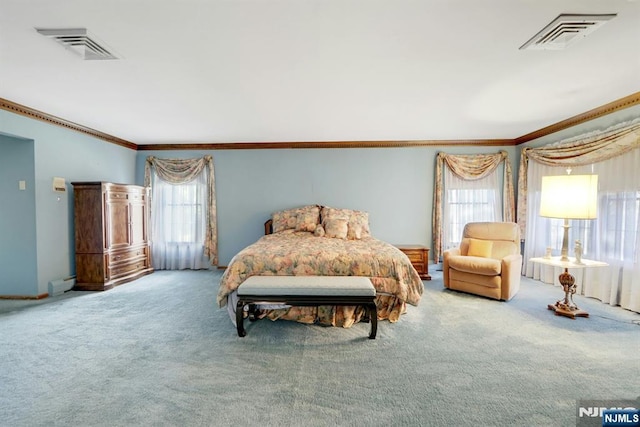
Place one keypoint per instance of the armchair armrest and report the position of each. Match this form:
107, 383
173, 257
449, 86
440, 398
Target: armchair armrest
445, 264
511, 272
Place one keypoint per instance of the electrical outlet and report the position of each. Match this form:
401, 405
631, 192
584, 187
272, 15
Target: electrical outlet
22, 185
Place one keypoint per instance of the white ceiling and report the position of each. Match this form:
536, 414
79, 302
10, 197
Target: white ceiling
211, 71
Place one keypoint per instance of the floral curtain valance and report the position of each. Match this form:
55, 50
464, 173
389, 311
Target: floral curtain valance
585, 149
176, 171
180, 171
470, 167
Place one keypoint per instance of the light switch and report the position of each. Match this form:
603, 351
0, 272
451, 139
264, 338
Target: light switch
22, 185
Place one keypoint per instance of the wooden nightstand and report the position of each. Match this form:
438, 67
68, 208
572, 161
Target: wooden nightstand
419, 257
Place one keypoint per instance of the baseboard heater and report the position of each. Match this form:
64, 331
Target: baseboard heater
58, 287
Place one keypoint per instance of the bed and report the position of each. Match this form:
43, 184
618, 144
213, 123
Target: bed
323, 241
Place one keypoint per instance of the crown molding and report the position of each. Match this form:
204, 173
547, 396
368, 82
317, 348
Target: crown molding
620, 104
44, 117
322, 144
617, 105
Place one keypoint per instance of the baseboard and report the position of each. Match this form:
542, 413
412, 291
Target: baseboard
41, 296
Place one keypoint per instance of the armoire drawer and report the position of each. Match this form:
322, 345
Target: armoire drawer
127, 255
125, 269
117, 193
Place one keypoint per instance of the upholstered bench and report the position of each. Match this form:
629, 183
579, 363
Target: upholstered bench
308, 291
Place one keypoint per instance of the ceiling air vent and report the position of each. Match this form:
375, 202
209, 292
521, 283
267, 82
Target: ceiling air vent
79, 41
565, 30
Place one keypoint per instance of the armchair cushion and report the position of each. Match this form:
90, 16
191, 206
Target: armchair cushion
476, 265
480, 248
468, 281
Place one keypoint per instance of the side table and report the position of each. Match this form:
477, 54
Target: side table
419, 257
566, 307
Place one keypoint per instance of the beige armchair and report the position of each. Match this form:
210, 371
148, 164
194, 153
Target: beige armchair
488, 261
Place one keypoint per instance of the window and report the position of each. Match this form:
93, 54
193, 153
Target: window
469, 201
183, 213
622, 209
466, 206
178, 224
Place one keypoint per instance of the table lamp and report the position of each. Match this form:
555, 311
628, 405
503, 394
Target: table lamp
569, 197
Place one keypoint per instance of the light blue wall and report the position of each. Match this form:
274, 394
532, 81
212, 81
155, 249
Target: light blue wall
60, 152
395, 185
18, 262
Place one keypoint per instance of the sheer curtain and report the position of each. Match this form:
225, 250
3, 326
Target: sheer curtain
469, 201
178, 224
614, 237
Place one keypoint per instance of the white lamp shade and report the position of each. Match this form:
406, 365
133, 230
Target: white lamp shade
569, 196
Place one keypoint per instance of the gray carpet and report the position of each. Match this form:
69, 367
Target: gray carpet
158, 352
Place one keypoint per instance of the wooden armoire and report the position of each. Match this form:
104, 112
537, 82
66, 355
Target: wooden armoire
111, 234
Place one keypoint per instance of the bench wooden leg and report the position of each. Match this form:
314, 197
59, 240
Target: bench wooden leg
240, 319
373, 318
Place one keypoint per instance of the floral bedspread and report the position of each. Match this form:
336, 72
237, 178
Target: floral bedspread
303, 254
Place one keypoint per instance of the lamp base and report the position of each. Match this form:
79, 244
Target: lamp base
566, 307
562, 310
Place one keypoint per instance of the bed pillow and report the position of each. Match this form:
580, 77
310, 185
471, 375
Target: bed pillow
358, 225
284, 220
299, 219
336, 228
480, 248
306, 221
319, 231
358, 221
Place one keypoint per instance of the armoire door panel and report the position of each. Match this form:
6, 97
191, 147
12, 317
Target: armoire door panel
137, 220
118, 221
